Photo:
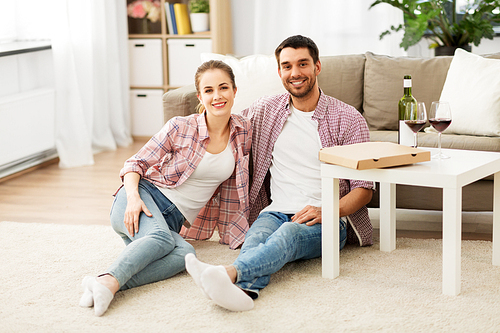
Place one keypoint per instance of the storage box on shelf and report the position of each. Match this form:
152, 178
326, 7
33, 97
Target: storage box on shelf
186, 52
149, 120
146, 66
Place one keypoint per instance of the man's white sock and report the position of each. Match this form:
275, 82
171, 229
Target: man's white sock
217, 284
87, 299
195, 268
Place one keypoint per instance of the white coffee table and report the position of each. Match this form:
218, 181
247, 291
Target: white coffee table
464, 167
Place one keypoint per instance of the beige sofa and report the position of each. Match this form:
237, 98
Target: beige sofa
373, 85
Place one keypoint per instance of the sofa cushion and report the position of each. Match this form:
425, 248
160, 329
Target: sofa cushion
383, 85
255, 75
179, 102
492, 55
472, 88
342, 77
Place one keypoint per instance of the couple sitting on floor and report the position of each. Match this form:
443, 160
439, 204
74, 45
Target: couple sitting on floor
196, 171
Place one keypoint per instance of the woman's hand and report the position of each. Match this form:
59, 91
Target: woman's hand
135, 206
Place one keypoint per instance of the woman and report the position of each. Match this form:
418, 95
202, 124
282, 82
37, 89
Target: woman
194, 172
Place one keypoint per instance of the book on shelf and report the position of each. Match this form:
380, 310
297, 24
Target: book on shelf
168, 15
182, 19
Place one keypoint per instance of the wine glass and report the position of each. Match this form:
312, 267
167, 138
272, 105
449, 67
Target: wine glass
415, 118
440, 119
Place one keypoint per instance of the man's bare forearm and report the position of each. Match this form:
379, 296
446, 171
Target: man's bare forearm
354, 200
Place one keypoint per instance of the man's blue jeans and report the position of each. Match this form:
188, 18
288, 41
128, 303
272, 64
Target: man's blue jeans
271, 242
157, 251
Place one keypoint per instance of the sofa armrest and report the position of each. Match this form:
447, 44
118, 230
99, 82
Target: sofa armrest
179, 102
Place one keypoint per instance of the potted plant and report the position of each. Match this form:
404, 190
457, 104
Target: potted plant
439, 21
199, 15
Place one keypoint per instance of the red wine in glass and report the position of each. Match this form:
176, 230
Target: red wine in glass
415, 118
440, 124
415, 125
440, 119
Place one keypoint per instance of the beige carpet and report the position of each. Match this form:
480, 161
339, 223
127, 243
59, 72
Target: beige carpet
42, 266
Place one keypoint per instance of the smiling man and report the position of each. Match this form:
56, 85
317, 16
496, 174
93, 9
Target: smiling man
285, 195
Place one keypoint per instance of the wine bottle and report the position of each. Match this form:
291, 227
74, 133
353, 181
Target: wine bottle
405, 134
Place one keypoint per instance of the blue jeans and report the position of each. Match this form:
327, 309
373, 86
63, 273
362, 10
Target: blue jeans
271, 242
157, 251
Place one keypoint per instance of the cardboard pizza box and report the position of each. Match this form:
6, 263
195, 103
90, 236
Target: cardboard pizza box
371, 155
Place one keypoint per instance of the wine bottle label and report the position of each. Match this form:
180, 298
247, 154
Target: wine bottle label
405, 134
407, 83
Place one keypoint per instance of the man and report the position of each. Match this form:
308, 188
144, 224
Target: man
288, 132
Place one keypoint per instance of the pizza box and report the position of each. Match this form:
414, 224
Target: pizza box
372, 155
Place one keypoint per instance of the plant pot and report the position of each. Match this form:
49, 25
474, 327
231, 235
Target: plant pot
199, 22
449, 50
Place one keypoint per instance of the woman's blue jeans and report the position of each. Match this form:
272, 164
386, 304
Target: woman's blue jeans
271, 242
157, 251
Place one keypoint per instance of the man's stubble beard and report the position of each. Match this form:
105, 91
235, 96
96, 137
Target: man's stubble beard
289, 88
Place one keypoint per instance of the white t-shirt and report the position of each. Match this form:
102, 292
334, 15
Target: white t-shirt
194, 193
295, 166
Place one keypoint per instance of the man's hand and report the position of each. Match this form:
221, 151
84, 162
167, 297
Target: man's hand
309, 214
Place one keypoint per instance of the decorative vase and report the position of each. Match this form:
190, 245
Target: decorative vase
199, 22
450, 50
143, 26
145, 29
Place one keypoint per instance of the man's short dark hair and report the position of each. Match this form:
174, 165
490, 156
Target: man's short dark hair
297, 42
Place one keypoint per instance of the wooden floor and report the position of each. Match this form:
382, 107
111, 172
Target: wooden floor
84, 195
68, 196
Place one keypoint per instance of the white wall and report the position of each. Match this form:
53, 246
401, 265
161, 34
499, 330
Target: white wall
243, 12
243, 18
337, 27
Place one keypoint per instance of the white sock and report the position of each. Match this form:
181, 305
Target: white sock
87, 299
223, 292
102, 297
195, 268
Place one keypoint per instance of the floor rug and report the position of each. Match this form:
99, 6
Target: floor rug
42, 266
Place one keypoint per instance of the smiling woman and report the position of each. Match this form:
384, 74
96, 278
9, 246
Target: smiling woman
189, 179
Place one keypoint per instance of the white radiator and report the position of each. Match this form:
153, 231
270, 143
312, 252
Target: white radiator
27, 133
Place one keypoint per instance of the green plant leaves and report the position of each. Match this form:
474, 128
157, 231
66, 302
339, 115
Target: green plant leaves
438, 18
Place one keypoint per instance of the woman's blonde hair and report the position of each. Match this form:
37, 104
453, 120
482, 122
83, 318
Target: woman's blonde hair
210, 65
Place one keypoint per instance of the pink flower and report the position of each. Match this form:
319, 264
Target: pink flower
143, 8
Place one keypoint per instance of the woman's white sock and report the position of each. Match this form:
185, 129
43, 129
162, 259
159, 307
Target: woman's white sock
102, 297
219, 287
195, 268
87, 299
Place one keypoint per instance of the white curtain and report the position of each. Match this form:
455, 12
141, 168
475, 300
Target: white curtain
89, 47
89, 43
337, 26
